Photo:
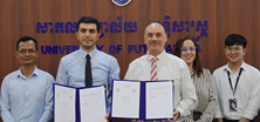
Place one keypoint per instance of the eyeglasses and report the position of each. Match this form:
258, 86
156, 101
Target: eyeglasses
184, 49
23, 52
235, 49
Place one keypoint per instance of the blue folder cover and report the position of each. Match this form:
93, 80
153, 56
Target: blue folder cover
77, 103
142, 108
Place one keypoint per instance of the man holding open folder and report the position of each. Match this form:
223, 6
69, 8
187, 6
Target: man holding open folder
158, 65
88, 66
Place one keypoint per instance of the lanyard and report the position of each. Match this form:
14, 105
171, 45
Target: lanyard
230, 83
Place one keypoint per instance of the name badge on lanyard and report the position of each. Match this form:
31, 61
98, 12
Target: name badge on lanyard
233, 101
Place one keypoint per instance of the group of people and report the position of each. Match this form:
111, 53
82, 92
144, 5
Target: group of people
231, 94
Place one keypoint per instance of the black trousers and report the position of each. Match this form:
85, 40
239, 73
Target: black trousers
225, 120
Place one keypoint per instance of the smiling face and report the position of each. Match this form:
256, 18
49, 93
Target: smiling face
27, 54
235, 53
155, 38
188, 52
87, 35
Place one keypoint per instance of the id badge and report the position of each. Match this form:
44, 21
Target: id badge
233, 104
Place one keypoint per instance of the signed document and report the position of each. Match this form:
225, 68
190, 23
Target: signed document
159, 102
92, 104
79, 104
142, 100
126, 99
64, 104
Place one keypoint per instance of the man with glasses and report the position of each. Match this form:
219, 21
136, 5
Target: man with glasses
238, 84
167, 67
26, 94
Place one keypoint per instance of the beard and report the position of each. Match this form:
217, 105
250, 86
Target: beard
88, 46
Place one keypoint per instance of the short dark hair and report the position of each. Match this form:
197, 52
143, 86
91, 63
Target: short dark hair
86, 19
235, 39
24, 39
177, 51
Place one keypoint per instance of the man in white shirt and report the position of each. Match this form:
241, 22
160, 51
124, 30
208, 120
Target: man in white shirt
238, 84
169, 67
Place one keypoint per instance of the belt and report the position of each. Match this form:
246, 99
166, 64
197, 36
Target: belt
226, 120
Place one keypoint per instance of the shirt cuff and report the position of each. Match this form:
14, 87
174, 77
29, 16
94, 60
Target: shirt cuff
181, 111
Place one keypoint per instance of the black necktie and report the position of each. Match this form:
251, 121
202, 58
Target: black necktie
88, 75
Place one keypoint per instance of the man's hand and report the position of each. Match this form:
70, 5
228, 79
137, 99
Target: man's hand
168, 120
107, 117
137, 121
219, 120
176, 113
243, 119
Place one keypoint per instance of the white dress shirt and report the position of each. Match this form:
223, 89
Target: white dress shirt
247, 93
169, 67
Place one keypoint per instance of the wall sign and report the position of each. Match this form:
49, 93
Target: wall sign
198, 28
121, 2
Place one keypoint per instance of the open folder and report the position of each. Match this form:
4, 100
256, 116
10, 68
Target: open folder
142, 100
79, 104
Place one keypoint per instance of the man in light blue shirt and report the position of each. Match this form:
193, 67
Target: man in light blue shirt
27, 94
105, 68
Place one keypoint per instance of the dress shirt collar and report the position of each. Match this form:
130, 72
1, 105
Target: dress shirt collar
36, 72
243, 66
159, 57
91, 54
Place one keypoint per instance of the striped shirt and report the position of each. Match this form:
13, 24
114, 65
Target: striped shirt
207, 96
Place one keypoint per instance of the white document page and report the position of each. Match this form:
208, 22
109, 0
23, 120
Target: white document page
65, 99
92, 105
159, 101
126, 99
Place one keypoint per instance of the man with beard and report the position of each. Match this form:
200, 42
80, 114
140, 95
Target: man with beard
88, 66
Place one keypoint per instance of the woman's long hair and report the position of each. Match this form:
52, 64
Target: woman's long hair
177, 51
